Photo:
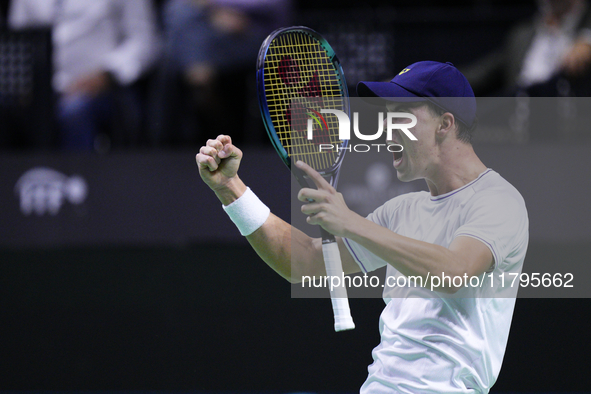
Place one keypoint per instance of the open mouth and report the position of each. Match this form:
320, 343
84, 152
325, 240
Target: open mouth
398, 151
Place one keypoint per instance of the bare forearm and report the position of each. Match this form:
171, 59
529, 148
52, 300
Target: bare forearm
275, 240
287, 250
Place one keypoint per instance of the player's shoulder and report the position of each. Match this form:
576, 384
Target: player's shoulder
399, 205
493, 188
408, 199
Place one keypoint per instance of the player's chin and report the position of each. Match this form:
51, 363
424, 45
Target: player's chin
402, 172
402, 176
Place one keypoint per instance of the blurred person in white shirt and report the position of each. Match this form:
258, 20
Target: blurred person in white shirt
546, 55
100, 48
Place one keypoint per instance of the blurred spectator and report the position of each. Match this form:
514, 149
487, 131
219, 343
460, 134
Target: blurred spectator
100, 48
209, 46
542, 56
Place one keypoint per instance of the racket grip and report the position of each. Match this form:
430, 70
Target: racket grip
338, 294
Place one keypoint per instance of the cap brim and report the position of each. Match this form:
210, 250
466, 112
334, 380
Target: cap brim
389, 91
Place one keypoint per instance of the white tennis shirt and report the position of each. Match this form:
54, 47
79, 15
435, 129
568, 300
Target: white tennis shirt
437, 343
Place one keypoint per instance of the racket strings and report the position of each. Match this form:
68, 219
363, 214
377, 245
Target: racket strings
300, 80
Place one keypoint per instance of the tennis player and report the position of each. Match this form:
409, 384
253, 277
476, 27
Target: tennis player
447, 338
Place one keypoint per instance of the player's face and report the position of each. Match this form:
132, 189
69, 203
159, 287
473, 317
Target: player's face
418, 158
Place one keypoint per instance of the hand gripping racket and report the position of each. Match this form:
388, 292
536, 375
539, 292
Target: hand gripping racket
299, 75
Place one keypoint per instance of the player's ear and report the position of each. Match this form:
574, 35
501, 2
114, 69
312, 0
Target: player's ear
447, 125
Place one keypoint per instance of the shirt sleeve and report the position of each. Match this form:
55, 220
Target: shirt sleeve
498, 221
140, 45
366, 260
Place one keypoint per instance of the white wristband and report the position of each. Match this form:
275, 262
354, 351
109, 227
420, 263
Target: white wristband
248, 212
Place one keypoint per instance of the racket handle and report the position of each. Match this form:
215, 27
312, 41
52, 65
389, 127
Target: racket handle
338, 294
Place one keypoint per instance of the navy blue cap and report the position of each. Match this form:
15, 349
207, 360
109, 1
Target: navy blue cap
433, 81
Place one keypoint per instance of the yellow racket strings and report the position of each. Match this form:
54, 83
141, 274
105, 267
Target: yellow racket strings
308, 80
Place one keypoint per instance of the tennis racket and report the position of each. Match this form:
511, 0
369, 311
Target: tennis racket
299, 75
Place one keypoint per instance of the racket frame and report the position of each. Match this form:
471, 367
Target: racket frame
343, 320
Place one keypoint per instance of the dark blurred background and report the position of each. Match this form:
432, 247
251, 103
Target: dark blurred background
118, 269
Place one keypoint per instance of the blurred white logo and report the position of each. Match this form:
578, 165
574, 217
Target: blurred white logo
43, 190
